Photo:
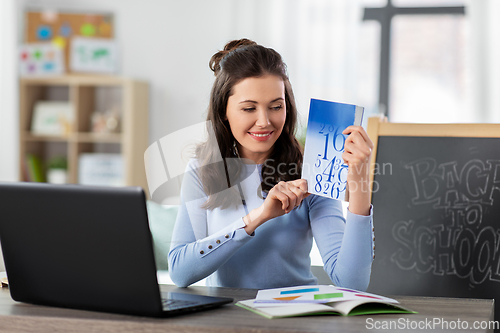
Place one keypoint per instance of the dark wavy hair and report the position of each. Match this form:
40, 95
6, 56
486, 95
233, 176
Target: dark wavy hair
241, 59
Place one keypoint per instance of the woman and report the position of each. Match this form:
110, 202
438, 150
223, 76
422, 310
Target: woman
246, 219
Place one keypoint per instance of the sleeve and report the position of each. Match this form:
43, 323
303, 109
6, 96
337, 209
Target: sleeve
346, 247
193, 255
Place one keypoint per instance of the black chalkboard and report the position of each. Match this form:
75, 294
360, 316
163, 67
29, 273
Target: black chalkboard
436, 205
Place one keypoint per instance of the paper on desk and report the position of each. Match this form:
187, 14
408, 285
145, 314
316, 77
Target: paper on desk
314, 294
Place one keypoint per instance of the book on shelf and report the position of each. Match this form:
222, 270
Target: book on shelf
319, 300
101, 169
323, 166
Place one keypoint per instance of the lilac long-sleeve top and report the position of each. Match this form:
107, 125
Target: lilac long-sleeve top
213, 243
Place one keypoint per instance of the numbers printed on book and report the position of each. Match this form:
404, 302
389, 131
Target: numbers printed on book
330, 171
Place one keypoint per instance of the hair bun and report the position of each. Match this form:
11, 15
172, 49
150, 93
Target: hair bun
216, 59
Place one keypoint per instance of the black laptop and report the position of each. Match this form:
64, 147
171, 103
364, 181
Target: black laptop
86, 248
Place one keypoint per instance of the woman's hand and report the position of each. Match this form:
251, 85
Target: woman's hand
284, 197
357, 154
281, 199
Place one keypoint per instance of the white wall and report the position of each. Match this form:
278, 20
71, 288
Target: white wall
8, 92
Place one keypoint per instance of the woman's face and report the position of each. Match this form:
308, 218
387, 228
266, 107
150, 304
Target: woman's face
256, 112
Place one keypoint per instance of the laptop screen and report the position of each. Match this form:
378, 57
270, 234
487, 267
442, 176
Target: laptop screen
80, 247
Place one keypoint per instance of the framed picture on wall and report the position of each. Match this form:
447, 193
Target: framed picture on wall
40, 59
93, 55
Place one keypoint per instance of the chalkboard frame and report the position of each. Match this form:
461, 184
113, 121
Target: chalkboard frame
379, 126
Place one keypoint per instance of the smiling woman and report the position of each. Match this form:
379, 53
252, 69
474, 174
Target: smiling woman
247, 220
240, 70
256, 113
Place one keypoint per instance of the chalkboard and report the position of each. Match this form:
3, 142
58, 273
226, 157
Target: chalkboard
436, 212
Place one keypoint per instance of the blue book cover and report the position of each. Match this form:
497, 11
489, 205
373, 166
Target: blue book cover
323, 166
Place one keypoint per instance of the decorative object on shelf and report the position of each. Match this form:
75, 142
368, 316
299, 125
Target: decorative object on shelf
52, 118
94, 55
60, 27
34, 168
40, 59
106, 122
101, 169
57, 170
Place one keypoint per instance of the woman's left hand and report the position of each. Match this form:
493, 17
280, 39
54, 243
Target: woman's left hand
357, 154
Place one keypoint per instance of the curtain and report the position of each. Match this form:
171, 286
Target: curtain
8, 91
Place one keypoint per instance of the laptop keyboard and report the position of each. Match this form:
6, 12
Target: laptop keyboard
173, 304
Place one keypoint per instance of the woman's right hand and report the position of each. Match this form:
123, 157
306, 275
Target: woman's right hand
281, 199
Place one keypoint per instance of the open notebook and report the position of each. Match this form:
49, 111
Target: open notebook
319, 300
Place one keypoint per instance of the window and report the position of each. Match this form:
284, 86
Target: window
429, 72
423, 61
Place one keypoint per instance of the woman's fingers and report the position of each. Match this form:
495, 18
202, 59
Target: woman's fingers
357, 153
290, 194
358, 146
299, 194
362, 132
285, 188
277, 194
300, 183
300, 189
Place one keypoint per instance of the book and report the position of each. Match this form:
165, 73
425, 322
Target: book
319, 300
101, 169
323, 166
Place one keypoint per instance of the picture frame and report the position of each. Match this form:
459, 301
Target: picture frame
52, 118
94, 55
40, 59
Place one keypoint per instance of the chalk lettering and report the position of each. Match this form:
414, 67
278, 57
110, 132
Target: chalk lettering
459, 244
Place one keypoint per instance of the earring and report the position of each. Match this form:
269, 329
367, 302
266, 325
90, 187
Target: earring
235, 148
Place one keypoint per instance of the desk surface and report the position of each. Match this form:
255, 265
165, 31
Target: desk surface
20, 317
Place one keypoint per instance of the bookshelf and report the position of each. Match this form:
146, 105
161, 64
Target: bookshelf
87, 94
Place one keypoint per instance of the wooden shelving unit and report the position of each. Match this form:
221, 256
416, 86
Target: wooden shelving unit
88, 94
